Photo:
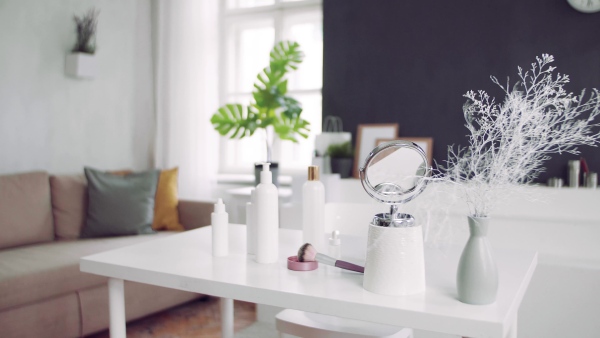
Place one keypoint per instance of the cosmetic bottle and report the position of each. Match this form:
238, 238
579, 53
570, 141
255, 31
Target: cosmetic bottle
574, 168
220, 234
335, 248
267, 218
251, 224
313, 209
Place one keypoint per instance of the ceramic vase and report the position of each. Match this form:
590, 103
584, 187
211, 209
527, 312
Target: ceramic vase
477, 275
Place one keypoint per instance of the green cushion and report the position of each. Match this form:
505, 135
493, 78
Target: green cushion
119, 205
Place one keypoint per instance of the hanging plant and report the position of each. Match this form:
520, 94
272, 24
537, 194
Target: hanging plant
86, 32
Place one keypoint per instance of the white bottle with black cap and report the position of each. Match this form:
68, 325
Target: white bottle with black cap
267, 218
313, 210
220, 232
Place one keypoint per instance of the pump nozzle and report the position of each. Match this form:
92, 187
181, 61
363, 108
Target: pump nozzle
265, 174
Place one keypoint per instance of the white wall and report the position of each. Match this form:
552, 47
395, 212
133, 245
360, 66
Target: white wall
52, 122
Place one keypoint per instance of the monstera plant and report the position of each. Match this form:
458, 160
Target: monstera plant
272, 110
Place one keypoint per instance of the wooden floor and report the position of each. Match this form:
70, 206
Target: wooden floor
200, 318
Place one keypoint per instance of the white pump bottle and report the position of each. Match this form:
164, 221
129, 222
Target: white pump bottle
267, 218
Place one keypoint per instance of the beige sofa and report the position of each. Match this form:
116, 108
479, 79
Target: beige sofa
42, 291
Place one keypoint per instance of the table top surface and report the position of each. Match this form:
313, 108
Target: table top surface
184, 261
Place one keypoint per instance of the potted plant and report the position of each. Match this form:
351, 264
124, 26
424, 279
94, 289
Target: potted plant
508, 145
272, 111
81, 61
341, 156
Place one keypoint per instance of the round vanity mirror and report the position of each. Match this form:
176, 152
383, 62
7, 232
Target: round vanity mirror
395, 172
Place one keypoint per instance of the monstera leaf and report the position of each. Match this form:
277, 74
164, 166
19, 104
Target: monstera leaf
231, 117
271, 106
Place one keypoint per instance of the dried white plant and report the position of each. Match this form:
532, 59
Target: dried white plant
509, 142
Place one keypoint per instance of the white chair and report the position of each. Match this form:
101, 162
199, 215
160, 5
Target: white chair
313, 325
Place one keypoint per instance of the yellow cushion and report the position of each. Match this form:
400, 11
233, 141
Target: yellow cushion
166, 215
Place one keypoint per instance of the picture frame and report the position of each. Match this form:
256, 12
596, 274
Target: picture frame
424, 142
366, 139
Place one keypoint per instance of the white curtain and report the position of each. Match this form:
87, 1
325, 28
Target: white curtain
186, 90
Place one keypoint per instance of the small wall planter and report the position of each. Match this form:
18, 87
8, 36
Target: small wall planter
81, 65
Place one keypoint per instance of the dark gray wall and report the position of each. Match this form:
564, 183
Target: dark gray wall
411, 61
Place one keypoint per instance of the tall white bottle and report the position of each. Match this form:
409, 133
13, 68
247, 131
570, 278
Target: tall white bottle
220, 230
251, 224
267, 218
313, 210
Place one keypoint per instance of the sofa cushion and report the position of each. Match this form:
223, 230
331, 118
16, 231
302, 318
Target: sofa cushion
25, 209
166, 214
32, 273
69, 204
119, 205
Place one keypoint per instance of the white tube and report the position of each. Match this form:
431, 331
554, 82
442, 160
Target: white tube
313, 210
220, 230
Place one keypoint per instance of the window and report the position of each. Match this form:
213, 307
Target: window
250, 29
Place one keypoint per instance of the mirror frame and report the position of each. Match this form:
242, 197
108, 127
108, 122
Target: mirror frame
400, 197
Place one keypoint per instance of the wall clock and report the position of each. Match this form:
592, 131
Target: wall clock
585, 6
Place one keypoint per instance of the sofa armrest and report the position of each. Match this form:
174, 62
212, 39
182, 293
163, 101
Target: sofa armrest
195, 214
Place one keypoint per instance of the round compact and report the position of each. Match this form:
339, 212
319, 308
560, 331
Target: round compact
294, 264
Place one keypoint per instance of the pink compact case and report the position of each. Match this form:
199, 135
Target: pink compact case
293, 264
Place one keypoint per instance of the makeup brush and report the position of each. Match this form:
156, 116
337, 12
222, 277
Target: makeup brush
308, 253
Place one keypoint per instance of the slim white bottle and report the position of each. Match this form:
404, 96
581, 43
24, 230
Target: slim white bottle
335, 249
313, 210
267, 218
251, 224
220, 232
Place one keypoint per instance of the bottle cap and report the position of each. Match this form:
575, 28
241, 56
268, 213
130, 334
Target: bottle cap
313, 173
220, 207
335, 238
265, 175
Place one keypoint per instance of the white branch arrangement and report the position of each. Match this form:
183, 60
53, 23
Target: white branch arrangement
509, 142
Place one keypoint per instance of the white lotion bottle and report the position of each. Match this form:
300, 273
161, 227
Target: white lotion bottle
313, 210
251, 224
220, 232
267, 218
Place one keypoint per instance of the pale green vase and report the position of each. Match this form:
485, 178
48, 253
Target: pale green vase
477, 275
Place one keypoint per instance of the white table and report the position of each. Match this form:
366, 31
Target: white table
184, 261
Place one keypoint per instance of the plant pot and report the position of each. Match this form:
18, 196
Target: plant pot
477, 275
274, 168
342, 166
81, 65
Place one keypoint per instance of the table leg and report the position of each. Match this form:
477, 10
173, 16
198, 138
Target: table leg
116, 306
512, 332
226, 318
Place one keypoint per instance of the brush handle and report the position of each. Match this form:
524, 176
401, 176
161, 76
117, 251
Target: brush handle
349, 266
